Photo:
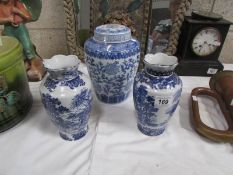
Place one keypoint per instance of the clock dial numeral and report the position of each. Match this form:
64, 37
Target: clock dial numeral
206, 42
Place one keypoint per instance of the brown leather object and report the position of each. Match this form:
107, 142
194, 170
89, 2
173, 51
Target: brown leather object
203, 129
222, 83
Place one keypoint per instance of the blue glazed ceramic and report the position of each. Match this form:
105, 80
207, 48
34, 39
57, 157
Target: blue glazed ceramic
66, 96
112, 58
157, 90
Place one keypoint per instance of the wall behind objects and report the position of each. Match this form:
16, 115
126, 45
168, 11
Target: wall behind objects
48, 33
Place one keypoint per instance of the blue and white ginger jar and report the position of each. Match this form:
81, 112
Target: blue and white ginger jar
157, 90
66, 96
112, 58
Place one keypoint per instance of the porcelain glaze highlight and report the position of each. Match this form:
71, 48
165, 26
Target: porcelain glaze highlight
66, 95
112, 58
157, 90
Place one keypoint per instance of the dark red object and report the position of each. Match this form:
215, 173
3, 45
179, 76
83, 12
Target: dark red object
13, 11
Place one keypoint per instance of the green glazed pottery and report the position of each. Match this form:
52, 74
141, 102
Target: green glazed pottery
15, 96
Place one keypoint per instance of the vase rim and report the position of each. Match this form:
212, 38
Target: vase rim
61, 62
160, 60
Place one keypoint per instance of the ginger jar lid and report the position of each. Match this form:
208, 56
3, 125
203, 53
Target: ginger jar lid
112, 33
10, 51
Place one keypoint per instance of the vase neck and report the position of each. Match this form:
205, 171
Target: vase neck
62, 67
159, 70
160, 64
156, 72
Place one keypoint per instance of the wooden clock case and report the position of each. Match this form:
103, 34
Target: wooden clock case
191, 64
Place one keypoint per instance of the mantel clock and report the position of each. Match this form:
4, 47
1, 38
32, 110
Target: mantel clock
200, 44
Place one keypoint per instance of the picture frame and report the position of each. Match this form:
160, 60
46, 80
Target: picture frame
160, 25
166, 18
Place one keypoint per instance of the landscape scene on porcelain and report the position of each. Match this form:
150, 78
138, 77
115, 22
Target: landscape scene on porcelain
157, 90
66, 96
112, 58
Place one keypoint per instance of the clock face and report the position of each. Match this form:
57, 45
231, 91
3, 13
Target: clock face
206, 42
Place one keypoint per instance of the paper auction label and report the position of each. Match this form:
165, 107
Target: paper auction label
212, 71
163, 100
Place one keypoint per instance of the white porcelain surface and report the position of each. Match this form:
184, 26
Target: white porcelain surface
61, 62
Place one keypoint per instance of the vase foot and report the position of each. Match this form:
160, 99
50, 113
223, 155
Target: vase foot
151, 132
73, 137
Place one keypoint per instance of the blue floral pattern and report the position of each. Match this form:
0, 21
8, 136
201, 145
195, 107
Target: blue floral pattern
149, 131
54, 105
112, 58
67, 98
72, 119
145, 105
112, 81
72, 83
152, 114
159, 82
111, 51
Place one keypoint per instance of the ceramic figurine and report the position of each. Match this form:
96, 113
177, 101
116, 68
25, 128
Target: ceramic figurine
66, 95
112, 58
15, 95
13, 15
157, 90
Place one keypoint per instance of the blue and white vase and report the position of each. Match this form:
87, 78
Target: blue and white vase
156, 93
66, 96
112, 58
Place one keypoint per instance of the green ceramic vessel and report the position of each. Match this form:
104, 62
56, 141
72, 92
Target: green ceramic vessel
15, 95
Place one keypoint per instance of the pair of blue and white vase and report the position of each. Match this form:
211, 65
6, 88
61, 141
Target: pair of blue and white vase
112, 59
